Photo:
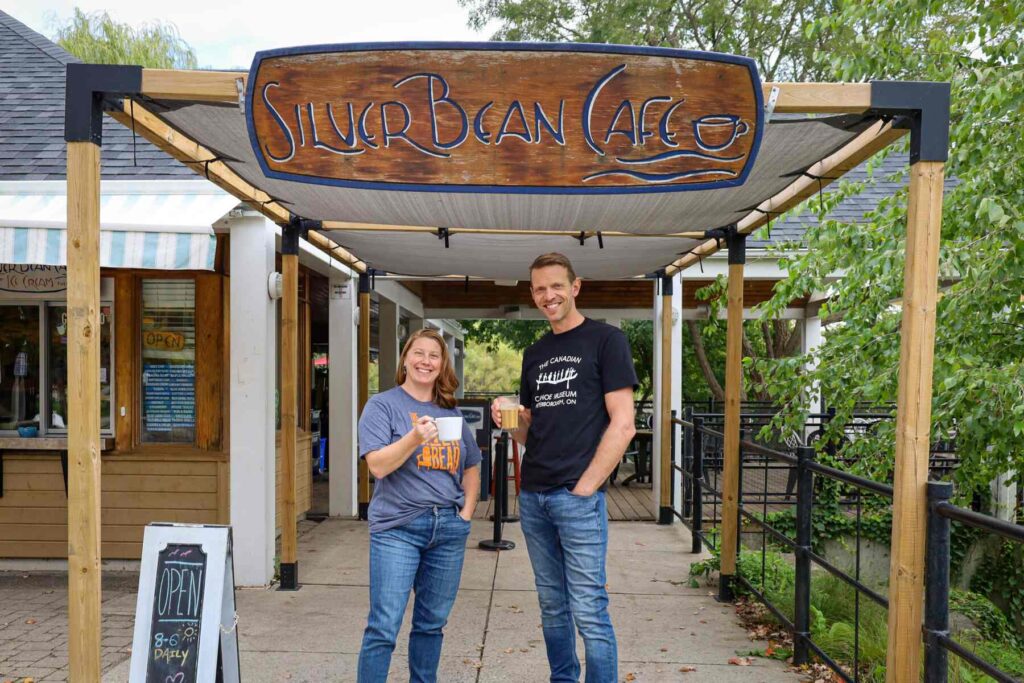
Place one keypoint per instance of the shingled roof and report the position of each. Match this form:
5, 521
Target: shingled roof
32, 117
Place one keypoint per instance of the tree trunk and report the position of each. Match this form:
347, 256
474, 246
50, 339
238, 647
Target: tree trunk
702, 360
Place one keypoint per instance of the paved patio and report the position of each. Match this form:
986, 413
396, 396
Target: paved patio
494, 634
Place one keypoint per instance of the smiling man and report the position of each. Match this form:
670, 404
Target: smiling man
576, 390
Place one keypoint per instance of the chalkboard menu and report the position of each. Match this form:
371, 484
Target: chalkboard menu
185, 619
177, 609
169, 401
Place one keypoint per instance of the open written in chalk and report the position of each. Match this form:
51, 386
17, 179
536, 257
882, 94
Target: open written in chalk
185, 612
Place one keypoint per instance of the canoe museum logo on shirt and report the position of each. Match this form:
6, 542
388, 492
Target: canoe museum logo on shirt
555, 377
471, 117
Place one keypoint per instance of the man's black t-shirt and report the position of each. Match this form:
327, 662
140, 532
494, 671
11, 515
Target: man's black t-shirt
564, 380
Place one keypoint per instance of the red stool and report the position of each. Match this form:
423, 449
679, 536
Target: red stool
514, 461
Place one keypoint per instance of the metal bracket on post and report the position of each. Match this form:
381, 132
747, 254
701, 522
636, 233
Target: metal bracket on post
926, 104
294, 230
86, 88
737, 243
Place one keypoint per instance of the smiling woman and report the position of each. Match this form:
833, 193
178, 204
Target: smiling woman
426, 491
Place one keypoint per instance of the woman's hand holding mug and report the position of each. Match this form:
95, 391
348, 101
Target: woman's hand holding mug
426, 429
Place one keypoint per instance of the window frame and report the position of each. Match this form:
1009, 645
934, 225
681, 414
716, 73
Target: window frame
138, 389
43, 304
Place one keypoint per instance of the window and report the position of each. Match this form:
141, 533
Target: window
57, 334
34, 366
168, 361
19, 367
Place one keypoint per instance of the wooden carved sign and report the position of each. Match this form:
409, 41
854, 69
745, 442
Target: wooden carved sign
505, 117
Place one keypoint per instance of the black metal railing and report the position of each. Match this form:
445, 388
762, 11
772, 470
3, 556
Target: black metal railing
938, 641
700, 487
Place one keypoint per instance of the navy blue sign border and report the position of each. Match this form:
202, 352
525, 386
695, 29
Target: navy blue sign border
505, 47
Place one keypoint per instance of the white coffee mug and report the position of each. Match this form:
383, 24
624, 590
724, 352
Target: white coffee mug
449, 428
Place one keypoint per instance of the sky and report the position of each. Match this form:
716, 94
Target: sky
226, 34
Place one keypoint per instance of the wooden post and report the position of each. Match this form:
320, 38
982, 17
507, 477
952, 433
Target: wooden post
665, 423
731, 470
84, 617
364, 385
913, 421
289, 400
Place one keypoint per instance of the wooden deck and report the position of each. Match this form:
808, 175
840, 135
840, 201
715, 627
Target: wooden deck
625, 504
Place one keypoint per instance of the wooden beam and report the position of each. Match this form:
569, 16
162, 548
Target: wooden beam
363, 371
913, 421
84, 586
733, 391
831, 168
665, 423
289, 402
342, 226
820, 98
196, 156
200, 86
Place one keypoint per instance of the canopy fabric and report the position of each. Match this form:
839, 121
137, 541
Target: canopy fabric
183, 207
508, 257
118, 248
789, 147
159, 225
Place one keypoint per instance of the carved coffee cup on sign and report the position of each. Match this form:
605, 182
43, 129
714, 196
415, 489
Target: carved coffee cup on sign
505, 117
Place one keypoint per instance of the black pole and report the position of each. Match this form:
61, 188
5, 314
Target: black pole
687, 463
802, 590
698, 489
665, 515
936, 586
500, 475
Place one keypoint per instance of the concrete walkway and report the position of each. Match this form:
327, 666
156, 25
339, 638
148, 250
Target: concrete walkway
494, 632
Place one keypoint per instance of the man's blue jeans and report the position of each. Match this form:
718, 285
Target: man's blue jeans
424, 555
567, 538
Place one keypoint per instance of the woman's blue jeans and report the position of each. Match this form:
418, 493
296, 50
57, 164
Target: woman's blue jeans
567, 538
426, 556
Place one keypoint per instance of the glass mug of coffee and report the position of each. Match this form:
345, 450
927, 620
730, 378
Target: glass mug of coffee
508, 407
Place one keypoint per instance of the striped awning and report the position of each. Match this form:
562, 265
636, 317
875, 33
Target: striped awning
166, 225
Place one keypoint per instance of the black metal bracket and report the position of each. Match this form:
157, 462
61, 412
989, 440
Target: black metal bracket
926, 105
364, 282
735, 240
295, 229
666, 284
289, 576
87, 87
444, 234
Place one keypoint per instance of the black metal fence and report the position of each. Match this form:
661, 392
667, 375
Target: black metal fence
700, 486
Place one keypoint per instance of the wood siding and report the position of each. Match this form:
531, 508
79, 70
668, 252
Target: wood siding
303, 477
145, 483
137, 489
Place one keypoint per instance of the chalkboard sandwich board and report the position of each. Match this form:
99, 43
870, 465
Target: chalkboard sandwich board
185, 612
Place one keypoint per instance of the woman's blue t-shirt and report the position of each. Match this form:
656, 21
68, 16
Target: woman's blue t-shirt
431, 476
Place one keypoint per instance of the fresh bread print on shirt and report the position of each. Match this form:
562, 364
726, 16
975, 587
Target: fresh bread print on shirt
437, 454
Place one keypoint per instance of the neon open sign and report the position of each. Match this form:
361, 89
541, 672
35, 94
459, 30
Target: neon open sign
505, 117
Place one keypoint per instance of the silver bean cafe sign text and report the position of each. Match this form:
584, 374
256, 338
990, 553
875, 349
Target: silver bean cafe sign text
505, 117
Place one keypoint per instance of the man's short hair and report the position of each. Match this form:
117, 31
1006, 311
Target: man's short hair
553, 259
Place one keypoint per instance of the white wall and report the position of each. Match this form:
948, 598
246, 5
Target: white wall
252, 384
343, 315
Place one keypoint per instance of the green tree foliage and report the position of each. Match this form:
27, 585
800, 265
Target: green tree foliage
770, 31
978, 377
492, 369
96, 38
